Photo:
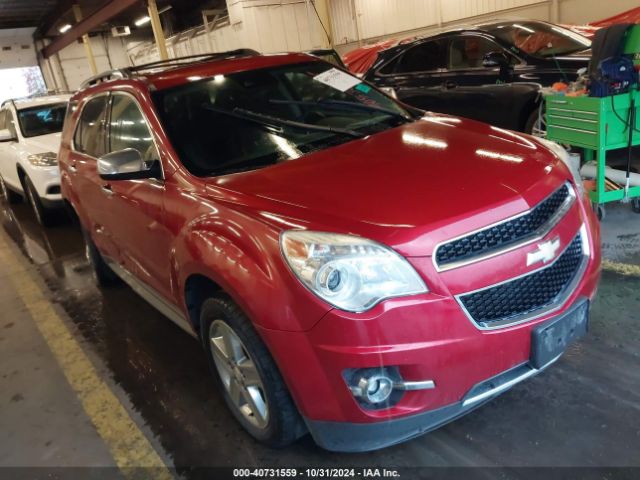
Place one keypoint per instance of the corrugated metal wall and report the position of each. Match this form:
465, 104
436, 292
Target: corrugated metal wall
452, 11
264, 25
378, 18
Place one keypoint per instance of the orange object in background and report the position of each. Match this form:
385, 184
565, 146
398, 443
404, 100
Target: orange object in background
560, 87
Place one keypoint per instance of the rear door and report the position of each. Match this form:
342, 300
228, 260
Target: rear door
89, 143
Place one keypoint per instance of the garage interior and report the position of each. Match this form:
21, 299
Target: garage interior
94, 377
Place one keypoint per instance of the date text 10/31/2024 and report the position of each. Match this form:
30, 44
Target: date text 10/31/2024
241, 473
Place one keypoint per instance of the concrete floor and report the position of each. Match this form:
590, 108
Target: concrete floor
583, 411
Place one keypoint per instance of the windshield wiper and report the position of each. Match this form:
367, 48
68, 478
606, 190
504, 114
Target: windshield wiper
277, 123
343, 104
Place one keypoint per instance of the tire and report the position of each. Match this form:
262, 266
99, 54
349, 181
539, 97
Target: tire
9, 195
43, 215
536, 124
281, 425
102, 273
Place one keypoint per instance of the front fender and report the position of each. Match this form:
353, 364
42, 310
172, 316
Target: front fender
242, 256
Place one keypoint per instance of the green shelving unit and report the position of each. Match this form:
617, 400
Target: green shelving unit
598, 125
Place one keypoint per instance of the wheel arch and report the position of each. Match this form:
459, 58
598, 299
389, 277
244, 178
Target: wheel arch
531, 105
22, 174
243, 262
197, 288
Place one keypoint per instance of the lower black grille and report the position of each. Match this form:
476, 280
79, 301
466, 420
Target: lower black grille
525, 295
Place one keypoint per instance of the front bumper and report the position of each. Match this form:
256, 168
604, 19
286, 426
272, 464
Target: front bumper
551, 339
362, 437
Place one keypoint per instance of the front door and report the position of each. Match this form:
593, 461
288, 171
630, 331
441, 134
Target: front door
472, 90
137, 220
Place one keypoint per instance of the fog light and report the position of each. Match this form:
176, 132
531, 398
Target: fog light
375, 389
382, 387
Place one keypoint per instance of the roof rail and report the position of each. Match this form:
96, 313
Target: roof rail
203, 57
105, 76
118, 74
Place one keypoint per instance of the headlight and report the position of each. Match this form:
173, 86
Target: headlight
47, 159
348, 272
563, 155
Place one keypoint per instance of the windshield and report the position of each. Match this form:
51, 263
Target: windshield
540, 39
248, 120
42, 120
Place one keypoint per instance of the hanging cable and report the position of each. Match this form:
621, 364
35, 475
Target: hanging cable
313, 4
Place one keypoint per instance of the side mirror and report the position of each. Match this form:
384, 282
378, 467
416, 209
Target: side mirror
6, 135
127, 164
495, 59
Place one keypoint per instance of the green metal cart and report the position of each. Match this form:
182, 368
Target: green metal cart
597, 125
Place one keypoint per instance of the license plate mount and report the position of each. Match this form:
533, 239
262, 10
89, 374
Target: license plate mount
551, 339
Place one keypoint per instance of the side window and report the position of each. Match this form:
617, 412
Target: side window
469, 51
2, 119
89, 137
128, 128
427, 56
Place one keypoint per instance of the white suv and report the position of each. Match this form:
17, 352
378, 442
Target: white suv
29, 142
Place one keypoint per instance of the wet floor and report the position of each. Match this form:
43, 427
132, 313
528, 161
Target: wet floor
583, 411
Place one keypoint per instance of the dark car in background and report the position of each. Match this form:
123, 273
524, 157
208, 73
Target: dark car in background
491, 72
328, 55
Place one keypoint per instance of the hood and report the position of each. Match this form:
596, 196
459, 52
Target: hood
43, 143
408, 187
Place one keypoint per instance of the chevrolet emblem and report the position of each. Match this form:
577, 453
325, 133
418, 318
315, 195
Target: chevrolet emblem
546, 252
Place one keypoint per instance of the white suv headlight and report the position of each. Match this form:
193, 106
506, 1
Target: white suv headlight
563, 155
348, 272
47, 159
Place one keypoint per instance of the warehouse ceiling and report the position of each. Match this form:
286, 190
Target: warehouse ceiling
49, 15
24, 13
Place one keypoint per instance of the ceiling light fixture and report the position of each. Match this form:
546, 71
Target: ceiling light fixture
142, 20
65, 28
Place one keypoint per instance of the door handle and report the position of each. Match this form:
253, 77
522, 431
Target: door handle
107, 189
449, 85
73, 169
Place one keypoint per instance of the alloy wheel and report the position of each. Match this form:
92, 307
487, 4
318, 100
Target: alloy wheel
239, 374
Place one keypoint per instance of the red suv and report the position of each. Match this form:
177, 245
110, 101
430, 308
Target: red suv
353, 267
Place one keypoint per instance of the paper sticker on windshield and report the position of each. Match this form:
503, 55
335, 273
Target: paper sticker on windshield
337, 79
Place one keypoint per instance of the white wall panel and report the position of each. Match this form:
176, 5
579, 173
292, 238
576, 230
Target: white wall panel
384, 17
342, 21
461, 9
16, 48
76, 66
